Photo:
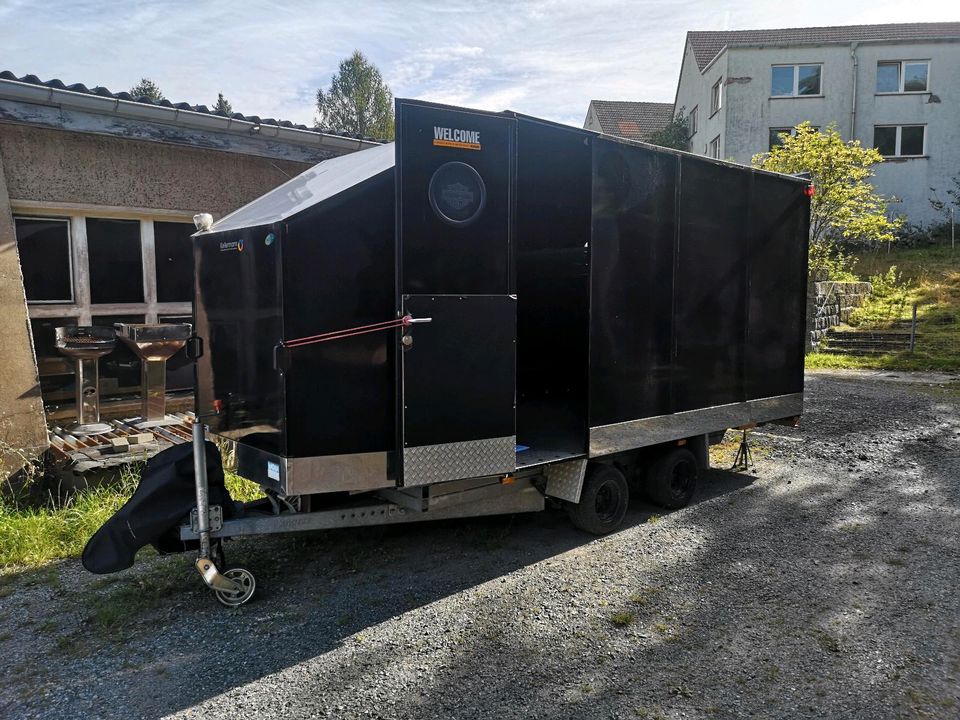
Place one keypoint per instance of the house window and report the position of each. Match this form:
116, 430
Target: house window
900, 140
714, 150
173, 252
45, 259
692, 120
716, 96
777, 133
903, 76
86, 270
116, 263
795, 80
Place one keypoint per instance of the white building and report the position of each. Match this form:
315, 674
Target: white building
894, 87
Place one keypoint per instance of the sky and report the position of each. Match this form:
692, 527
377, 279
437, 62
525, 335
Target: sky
546, 58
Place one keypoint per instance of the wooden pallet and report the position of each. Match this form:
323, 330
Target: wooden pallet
85, 453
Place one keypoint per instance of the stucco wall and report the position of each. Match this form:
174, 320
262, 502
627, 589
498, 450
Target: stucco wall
694, 90
58, 166
751, 111
23, 432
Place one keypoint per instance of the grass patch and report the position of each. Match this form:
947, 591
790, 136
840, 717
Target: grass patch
623, 618
32, 536
113, 610
241, 489
927, 276
827, 641
644, 596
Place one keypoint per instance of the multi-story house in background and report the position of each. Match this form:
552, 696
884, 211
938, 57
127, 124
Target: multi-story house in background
893, 87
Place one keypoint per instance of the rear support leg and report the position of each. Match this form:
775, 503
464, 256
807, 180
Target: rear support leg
744, 458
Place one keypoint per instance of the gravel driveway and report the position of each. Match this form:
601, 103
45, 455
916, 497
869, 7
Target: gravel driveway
823, 584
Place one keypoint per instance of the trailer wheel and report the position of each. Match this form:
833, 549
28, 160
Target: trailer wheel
672, 478
244, 578
603, 501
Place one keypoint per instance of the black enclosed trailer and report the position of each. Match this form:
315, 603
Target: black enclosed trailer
491, 311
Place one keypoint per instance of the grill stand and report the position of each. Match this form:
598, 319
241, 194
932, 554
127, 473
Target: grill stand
87, 376
154, 345
154, 403
86, 345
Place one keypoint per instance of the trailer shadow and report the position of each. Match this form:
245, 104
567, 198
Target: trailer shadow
315, 591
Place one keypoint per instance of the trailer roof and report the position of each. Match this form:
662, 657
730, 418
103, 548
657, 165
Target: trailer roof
310, 187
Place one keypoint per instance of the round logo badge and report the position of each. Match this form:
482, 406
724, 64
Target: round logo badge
240, 245
268, 240
457, 193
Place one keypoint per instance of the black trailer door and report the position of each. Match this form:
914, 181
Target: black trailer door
454, 225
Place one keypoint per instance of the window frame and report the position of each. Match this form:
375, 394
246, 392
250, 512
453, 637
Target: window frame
70, 256
795, 93
899, 137
791, 131
711, 152
716, 92
694, 120
901, 78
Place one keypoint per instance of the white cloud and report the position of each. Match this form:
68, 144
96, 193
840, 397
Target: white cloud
545, 58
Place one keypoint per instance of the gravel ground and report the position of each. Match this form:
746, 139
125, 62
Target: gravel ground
822, 584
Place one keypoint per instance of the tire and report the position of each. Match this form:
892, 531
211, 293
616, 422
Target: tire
672, 479
603, 501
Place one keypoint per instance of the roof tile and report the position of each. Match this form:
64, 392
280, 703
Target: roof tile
632, 120
104, 92
708, 44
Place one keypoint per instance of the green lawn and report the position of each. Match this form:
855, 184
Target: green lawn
928, 276
32, 535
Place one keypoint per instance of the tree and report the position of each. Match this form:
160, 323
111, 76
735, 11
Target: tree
222, 105
675, 135
358, 101
844, 204
147, 88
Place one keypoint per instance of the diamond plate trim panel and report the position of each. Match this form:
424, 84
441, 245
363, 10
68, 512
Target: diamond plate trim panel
565, 480
428, 464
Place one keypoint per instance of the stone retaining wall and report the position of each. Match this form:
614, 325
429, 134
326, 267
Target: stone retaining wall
831, 303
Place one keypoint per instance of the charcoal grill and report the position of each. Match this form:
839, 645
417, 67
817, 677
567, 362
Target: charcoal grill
154, 344
86, 345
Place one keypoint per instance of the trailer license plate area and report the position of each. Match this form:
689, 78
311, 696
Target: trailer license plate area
273, 471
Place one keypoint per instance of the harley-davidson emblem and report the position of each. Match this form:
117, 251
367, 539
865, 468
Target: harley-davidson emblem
457, 196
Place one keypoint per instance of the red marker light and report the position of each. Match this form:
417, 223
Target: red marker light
809, 190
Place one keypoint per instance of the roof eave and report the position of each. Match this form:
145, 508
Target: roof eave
42, 94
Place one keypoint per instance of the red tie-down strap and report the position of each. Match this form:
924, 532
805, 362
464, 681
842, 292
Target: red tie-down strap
405, 321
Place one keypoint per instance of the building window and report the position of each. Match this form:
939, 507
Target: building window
714, 150
173, 252
777, 133
716, 97
903, 76
795, 80
45, 259
96, 271
692, 120
116, 262
900, 140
